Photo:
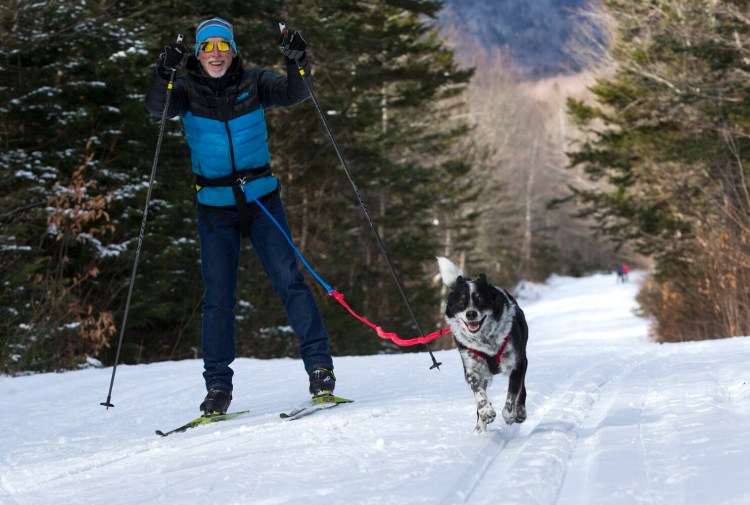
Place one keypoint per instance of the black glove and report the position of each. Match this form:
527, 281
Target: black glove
172, 57
292, 45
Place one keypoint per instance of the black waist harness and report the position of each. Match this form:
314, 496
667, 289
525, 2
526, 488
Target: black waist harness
236, 181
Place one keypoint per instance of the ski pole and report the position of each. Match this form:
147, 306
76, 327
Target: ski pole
435, 364
162, 126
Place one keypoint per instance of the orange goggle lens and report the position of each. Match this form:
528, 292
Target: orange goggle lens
207, 47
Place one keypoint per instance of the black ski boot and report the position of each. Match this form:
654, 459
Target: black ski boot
217, 402
322, 381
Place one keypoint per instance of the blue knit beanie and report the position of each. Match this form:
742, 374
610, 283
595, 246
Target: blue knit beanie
214, 27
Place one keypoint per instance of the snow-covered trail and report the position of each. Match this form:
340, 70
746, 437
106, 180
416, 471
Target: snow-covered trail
613, 419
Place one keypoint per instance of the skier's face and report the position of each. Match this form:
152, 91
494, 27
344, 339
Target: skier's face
215, 61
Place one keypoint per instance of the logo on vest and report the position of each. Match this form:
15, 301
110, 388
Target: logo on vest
242, 96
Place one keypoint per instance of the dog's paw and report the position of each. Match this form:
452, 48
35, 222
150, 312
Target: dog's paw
482, 423
485, 415
520, 413
510, 414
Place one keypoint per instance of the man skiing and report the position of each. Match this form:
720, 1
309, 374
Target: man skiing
222, 109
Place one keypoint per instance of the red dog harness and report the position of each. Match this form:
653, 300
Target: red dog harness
493, 363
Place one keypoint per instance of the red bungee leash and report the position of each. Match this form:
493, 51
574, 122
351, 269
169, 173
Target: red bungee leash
387, 335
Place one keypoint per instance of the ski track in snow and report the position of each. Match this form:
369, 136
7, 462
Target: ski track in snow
613, 419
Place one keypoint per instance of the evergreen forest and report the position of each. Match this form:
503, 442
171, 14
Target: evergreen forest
668, 134
449, 158
78, 148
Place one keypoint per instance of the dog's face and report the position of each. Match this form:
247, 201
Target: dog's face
471, 303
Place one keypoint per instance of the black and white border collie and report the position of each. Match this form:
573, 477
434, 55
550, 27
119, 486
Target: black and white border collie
491, 334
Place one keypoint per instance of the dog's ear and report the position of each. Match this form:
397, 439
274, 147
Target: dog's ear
449, 272
500, 302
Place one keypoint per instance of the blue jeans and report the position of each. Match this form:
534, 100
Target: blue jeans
219, 236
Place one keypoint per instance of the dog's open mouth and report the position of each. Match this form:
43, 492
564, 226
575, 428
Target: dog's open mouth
474, 326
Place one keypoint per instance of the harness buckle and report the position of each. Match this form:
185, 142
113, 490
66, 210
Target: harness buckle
242, 181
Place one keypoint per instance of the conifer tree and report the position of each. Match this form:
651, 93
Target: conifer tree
673, 149
69, 135
388, 87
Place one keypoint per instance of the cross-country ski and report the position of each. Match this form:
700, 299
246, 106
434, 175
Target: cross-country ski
203, 420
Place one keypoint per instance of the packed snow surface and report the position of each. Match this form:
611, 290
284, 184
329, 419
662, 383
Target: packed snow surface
613, 419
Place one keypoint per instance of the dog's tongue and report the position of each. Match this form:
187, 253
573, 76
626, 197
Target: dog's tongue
473, 326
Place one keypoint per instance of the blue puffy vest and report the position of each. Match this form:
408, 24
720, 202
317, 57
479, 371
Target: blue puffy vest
224, 120
216, 146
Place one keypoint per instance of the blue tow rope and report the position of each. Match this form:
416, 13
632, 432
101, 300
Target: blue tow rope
328, 288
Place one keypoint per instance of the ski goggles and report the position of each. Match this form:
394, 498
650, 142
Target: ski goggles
222, 45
